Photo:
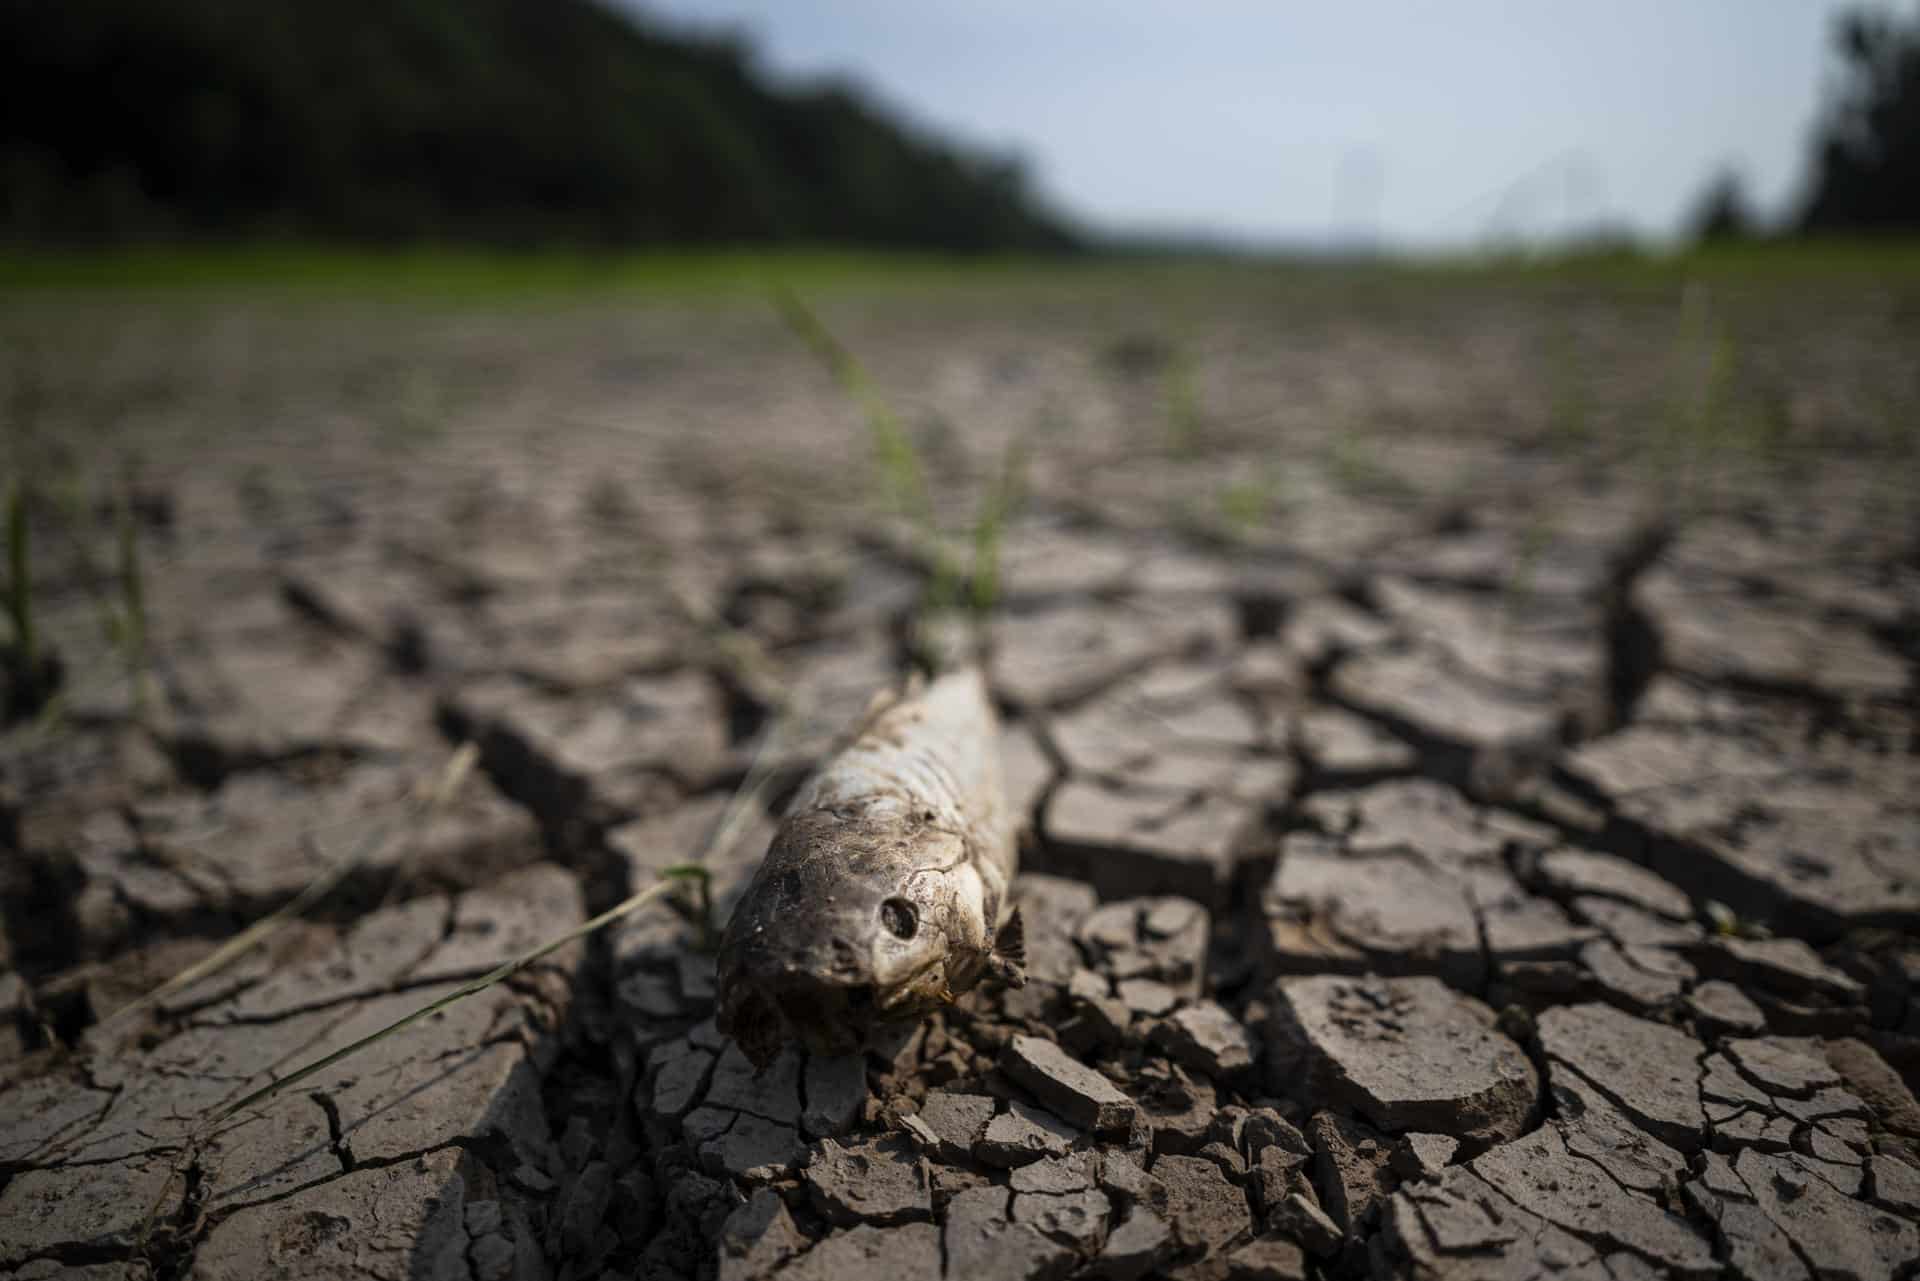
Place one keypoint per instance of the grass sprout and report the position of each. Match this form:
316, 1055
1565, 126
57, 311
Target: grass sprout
1247, 504
997, 507
1699, 408
903, 475
1186, 421
893, 449
1351, 461
1730, 924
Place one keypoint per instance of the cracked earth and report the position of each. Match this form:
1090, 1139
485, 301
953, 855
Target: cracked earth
1465, 838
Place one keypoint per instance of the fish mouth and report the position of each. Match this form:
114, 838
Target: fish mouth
908, 996
829, 1018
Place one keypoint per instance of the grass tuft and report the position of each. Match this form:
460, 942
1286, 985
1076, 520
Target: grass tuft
1351, 461
903, 476
899, 462
1699, 403
1249, 503
1730, 924
997, 507
1186, 421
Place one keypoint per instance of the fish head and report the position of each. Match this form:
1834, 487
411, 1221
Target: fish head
850, 922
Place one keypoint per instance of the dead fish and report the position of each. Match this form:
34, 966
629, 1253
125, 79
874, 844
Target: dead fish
882, 895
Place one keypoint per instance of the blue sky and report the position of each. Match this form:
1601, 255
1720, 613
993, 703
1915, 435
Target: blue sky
1308, 122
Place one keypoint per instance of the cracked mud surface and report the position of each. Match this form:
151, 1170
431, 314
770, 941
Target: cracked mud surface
1467, 865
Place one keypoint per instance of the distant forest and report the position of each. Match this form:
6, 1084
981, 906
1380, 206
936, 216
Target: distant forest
488, 121
1866, 147
1867, 161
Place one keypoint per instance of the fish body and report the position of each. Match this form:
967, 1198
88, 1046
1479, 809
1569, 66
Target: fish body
884, 892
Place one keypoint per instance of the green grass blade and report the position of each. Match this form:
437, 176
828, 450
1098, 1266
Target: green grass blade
329, 878
997, 507
1186, 421
902, 472
634, 902
732, 823
899, 462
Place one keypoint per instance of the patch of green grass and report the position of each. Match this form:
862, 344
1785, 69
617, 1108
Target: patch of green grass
997, 507
1351, 462
442, 271
438, 271
1695, 429
1730, 924
1251, 502
902, 475
1186, 420
901, 472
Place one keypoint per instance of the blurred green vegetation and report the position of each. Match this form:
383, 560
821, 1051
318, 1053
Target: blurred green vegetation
436, 271
442, 270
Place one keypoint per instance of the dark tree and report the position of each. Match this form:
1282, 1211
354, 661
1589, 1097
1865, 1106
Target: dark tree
495, 121
1723, 213
1867, 160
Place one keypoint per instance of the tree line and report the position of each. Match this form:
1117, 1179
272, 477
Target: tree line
490, 121
1866, 154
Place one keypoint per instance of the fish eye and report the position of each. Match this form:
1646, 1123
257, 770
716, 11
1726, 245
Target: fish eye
900, 918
